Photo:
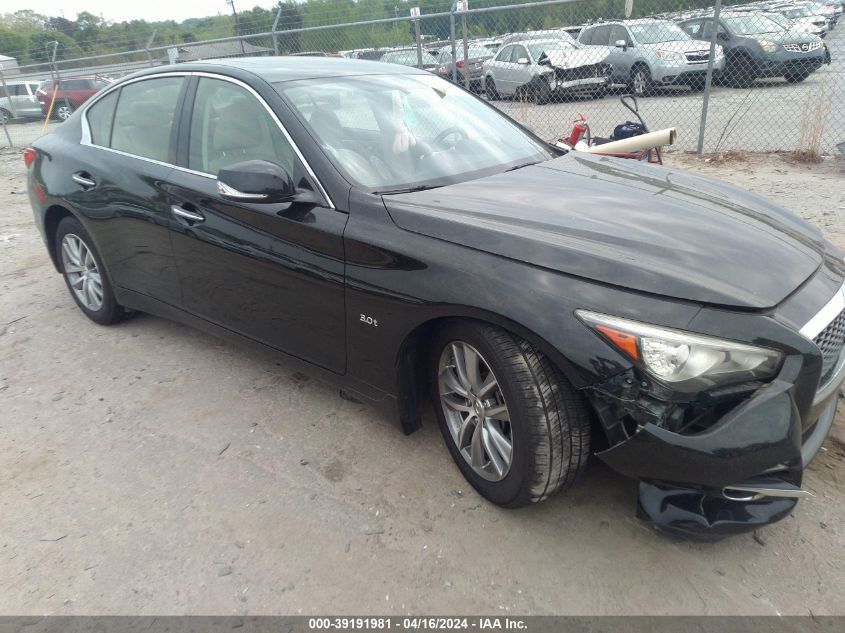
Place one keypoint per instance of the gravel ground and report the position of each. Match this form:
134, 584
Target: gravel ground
150, 469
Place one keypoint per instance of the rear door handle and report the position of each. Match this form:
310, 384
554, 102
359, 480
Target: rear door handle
191, 216
84, 178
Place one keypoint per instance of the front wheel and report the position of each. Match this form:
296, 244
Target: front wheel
796, 77
84, 274
490, 88
641, 84
5, 116
516, 428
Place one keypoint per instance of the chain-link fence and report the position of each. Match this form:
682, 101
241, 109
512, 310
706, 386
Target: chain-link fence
762, 76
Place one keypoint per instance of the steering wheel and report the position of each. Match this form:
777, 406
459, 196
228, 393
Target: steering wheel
441, 138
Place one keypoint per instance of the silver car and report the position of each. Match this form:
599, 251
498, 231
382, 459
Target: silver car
542, 69
18, 100
646, 54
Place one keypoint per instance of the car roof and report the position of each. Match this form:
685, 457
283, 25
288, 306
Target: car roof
276, 69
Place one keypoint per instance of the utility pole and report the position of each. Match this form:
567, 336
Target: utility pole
231, 3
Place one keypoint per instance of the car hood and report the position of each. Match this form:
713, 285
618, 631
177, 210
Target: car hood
626, 223
576, 57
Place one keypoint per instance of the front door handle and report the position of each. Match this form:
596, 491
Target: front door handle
84, 178
182, 212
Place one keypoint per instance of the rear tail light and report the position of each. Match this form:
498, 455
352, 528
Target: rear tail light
28, 156
460, 64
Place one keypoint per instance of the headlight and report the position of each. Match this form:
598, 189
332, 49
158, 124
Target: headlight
669, 55
683, 359
769, 47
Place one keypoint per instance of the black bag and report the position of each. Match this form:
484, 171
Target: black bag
627, 130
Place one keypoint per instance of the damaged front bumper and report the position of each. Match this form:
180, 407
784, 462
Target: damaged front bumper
743, 471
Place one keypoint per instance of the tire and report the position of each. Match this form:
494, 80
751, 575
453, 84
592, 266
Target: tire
740, 71
63, 111
697, 85
548, 426
5, 116
490, 88
796, 77
641, 85
541, 93
82, 286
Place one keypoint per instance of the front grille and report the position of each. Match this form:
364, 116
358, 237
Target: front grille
830, 341
806, 47
584, 72
697, 57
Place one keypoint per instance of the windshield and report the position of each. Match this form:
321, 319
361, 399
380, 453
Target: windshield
800, 12
538, 48
396, 132
657, 32
780, 19
751, 24
408, 58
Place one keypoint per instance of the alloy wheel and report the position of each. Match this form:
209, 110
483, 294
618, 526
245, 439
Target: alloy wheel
81, 272
640, 83
475, 410
64, 112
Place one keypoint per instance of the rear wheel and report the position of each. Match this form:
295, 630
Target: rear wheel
64, 111
490, 88
84, 274
516, 428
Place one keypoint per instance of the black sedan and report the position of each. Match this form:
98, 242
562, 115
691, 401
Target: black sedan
399, 236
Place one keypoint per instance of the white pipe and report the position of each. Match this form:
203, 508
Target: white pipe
632, 144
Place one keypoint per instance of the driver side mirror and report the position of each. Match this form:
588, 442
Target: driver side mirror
522, 60
621, 44
257, 181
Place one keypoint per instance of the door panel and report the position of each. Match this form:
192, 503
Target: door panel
272, 272
127, 209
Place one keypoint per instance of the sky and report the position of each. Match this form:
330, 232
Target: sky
123, 10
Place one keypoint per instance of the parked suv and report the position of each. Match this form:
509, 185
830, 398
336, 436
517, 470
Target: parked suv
649, 53
18, 100
72, 93
756, 47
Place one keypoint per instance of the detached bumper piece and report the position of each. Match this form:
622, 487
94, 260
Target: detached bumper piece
706, 516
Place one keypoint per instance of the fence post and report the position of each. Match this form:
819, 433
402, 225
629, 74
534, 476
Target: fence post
11, 105
466, 50
8, 95
275, 27
708, 82
419, 42
452, 40
149, 46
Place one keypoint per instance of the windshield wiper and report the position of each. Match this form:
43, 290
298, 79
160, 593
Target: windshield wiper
406, 189
528, 164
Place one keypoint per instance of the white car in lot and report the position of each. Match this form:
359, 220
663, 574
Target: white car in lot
543, 69
17, 99
649, 53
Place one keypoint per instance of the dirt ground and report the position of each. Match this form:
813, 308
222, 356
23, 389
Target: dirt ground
150, 469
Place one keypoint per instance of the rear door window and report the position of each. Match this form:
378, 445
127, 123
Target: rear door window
144, 117
100, 117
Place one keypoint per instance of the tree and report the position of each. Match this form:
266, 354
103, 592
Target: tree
13, 45
40, 47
